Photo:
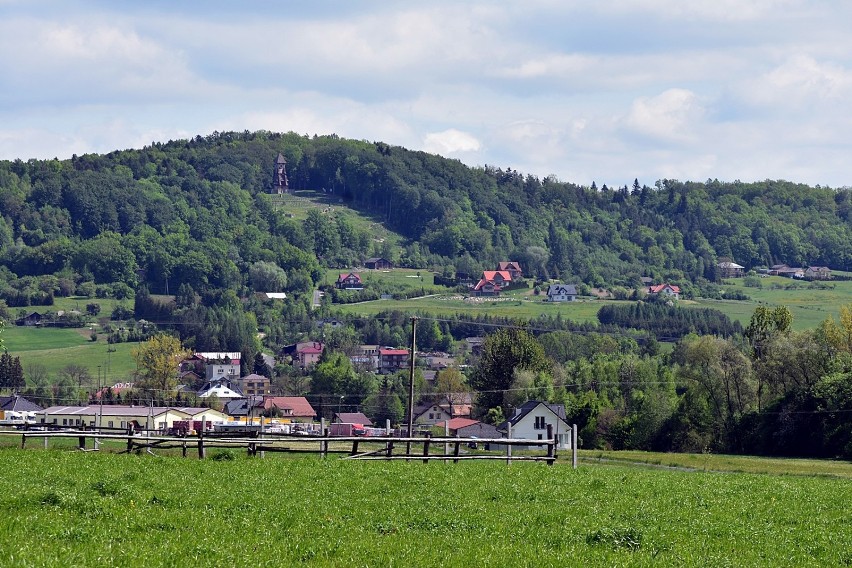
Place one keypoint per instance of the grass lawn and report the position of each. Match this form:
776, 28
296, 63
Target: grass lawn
65, 508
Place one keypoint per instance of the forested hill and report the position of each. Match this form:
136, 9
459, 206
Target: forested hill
198, 211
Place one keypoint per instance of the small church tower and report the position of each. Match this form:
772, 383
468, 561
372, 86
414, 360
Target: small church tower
280, 185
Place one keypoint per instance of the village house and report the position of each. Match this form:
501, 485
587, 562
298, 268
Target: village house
486, 288
818, 273
730, 269
366, 358
349, 281
221, 388
377, 263
392, 360
30, 320
513, 268
530, 422
308, 354
292, 408
665, 290
253, 385
352, 418
561, 293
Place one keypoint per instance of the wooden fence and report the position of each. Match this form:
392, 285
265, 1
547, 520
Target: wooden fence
444, 448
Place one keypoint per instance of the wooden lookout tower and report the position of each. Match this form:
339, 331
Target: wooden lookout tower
280, 185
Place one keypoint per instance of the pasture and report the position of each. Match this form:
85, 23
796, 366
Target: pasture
810, 304
55, 348
74, 509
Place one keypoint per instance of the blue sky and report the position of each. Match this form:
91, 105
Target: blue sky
585, 91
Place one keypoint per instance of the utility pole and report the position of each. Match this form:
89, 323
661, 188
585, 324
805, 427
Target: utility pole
411, 384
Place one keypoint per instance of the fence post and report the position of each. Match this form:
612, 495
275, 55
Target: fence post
81, 440
24, 440
574, 446
551, 446
354, 448
456, 450
426, 446
129, 438
324, 443
201, 444
446, 435
509, 446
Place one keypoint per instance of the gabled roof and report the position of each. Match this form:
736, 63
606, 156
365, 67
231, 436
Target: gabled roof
660, 287
220, 391
483, 283
492, 274
280, 159
345, 276
508, 265
730, 265
352, 418
561, 290
457, 423
477, 429
529, 406
297, 405
18, 404
312, 349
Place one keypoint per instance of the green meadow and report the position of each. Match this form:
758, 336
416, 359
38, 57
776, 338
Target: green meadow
68, 508
55, 348
809, 303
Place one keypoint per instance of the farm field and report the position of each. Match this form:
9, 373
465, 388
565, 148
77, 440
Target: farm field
723, 463
507, 306
810, 306
56, 348
67, 508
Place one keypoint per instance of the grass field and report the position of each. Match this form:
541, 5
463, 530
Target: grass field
55, 348
66, 508
809, 306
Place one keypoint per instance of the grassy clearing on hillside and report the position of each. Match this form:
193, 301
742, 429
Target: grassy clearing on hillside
56, 348
296, 206
510, 306
20, 339
72, 509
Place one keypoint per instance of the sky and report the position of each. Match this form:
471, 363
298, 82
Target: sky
607, 91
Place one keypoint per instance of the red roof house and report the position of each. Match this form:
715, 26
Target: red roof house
294, 407
665, 289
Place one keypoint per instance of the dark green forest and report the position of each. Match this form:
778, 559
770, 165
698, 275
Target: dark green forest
193, 221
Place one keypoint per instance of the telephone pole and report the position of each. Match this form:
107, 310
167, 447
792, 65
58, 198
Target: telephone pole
411, 384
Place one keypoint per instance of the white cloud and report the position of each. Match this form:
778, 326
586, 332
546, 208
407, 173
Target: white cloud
450, 141
671, 115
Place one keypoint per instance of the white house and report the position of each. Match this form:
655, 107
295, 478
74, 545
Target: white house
530, 422
561, 293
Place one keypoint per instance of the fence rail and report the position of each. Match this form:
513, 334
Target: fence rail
359, 447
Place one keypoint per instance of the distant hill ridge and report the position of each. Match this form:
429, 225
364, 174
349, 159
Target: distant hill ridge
199, 211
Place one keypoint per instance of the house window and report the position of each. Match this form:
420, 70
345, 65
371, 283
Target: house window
431, 416
539, 423
539, 436
123, 425
109, 424
65, 422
